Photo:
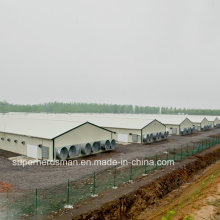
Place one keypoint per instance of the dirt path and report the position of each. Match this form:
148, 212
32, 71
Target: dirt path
199, 199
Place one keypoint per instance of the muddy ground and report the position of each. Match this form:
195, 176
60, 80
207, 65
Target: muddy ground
133, 201
32, 177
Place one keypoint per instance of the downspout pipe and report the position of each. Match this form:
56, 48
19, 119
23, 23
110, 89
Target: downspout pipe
53, 148
141, 137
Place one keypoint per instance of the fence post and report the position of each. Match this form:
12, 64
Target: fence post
130, 178
181, 153
68, 192
174, 154
7, 205
145, 167
156, 160
94, 184
167, 155
114, 184
36, 201
198, 147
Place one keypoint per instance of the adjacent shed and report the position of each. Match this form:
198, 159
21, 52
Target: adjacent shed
178, 125
200, 122
135, 130
213, 121
175, 124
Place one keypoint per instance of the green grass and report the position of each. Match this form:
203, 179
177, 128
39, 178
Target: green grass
170, 214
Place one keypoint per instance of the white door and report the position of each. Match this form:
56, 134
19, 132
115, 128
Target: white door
123, 138
174, 131
32, 151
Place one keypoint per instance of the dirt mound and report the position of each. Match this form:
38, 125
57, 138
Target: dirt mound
199, 199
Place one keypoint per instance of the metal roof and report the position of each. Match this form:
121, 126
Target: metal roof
40, 128
125, 123
135, 120
103, 120
165, 119
211, 118
50, 125
196, 118
171, 119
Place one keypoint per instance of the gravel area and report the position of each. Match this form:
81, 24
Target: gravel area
31, 177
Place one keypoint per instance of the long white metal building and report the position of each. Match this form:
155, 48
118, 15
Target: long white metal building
175, 124
61, 136
179, 124
128, 130
52, 139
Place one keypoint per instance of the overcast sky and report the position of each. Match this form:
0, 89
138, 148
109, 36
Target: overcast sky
145, 52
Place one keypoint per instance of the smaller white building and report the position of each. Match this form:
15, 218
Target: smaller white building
213, 121
201, 123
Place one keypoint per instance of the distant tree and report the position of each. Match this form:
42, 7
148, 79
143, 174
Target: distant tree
58, 107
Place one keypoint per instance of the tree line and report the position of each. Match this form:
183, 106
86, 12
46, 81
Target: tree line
59, 107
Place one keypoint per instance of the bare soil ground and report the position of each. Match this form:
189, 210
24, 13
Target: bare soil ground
198, 199
31, 177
